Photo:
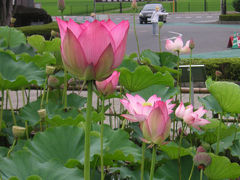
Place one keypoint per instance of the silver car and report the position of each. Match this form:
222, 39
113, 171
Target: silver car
148, 9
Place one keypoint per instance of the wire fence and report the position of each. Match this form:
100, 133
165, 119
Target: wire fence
85, 8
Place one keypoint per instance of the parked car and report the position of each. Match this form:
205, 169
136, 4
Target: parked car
148, 9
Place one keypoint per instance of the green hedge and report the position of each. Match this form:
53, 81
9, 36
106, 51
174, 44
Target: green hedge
44, 30
230, 17
230, 67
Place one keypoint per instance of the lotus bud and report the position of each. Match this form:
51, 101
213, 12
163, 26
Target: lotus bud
191, 44
18, 131
200, 149
109, 85
50, 70
160, 24
202, 160
61, 5
134, 4
42, 113
218, 73
53, 81
55, 34
180, 110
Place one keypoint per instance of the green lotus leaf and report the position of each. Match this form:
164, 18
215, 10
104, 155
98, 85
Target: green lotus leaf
127, 173
151, 56
129, 64
210, 103
172, 150
15, 75
170, 170
66, 142
227, 94
42, 45
142, 78
23, 48
41, 60
12, 37
160, 90
236, 148
168, 59
34, 177
55, 111
22, 164
222, 168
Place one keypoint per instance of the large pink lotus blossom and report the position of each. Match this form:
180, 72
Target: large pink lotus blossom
139, 109
191, 118
177, 45
157, 126
91, 51
109, 85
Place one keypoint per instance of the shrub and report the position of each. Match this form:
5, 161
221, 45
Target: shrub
230, 67
236, 5
44, 30
230, 17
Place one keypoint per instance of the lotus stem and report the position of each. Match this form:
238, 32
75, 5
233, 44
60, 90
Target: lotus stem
11, 106
218, 134
153, 162
23, 97
201, 174
101, 135
65, 89
143, 158
17, 99
1, 115
190, 78
236, 119
159, 39
12, 147
43, 95
123, 124
174, 127
26, 126
178, 76
135, 33
47, 95
29, 95
190, 176
87, 133
179, 154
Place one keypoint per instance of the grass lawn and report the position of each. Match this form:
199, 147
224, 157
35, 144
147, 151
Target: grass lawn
85, 7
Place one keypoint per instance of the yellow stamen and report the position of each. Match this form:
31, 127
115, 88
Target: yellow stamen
147, 104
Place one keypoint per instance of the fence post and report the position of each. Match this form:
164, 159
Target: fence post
120, 7
205, 5
175, 5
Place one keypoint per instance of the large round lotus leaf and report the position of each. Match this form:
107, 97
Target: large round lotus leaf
142, 78
22, 165
15, 75
227, 95
67, 143
12, 37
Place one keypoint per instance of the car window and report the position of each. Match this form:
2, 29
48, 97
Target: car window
151, 7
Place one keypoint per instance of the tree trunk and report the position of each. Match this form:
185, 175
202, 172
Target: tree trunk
223, 7
6, 7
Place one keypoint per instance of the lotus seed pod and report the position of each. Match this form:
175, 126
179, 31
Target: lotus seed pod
55, 34
201, 149
206, 146
42, 113
202, 159
50, 70
61, 5
18, 131
53, 82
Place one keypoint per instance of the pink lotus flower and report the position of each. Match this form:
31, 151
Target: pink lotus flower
180, 110
91, 51
177, 45
191, 118
157, 126
109, 85
139, 109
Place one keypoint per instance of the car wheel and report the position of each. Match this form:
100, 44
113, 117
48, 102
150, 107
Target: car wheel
145, 22
141, 22
164, 21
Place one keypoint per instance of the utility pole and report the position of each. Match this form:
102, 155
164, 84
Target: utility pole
223, 7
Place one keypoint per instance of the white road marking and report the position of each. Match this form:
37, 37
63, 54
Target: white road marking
209, 16
174, 37
178, 17
188, 17
198, 16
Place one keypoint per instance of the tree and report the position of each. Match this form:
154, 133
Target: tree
6, 8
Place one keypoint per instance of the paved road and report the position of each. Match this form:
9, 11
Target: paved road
209, 37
